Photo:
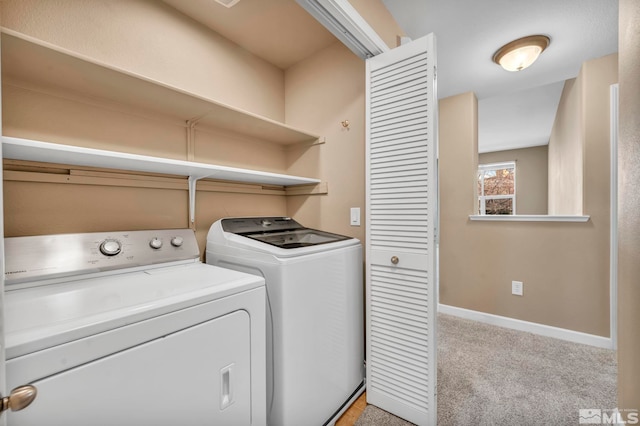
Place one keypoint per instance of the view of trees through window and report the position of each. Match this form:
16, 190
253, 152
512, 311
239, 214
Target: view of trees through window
497, 188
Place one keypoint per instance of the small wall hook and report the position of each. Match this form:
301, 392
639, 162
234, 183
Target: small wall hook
345, 124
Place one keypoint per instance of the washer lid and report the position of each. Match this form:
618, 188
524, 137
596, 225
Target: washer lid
282, 232
46, 316
252, 225
297, 238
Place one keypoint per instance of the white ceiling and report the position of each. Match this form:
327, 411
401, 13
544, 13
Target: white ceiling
515, 109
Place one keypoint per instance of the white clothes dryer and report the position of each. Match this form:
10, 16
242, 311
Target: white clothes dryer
315, 331
130, 328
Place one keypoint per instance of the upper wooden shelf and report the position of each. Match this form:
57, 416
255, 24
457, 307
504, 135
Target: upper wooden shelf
37, 63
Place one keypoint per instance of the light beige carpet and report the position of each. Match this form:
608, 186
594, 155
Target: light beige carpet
491, 375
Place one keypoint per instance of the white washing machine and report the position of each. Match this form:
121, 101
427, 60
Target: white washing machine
130, 328
315, 332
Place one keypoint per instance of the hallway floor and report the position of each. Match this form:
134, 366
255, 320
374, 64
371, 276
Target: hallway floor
351, 415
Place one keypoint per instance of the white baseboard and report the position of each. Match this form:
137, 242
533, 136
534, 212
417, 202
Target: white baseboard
531, 327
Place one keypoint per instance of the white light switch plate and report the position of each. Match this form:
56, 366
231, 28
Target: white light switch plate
355, 216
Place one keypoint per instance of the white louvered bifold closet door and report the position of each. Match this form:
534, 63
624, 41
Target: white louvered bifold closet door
401, 221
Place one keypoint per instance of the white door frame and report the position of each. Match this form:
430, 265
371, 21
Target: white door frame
613, 245
3, 372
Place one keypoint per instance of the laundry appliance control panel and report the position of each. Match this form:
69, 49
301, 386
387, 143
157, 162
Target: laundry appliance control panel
62, 255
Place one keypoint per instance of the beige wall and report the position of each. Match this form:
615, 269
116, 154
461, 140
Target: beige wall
566, 162
321, 92
564, 266
629, 205
599, 75
458, 142
531, 176
380, 19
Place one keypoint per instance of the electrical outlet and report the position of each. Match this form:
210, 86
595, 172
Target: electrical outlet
517, 288
355, 216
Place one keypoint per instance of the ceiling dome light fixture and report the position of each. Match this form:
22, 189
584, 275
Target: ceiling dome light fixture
521, 53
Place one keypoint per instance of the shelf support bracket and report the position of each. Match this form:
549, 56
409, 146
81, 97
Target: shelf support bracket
191, 138
192, 200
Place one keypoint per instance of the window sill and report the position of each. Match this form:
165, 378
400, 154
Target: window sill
528, 218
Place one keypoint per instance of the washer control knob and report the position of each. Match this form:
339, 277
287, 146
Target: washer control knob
110, 247
177, 241
155, 243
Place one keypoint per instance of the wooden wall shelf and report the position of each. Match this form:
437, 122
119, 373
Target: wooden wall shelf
36, 63
46, 152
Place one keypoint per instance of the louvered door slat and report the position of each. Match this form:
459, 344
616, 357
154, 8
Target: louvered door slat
403, 339
416, 387
398, 130
392, 363
404, 282
408, 329
409, 65
401, 116
378, 159
407, 393
397, 99
391, 148
394, 146
405, 169
400, 234
379, 162
401, 81
401, 211
398, 212
407, 186
411, 359
397, 107
418, 134
394, 297
389, 67
387, 202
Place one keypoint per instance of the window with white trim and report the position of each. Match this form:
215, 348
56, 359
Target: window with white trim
497, 188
